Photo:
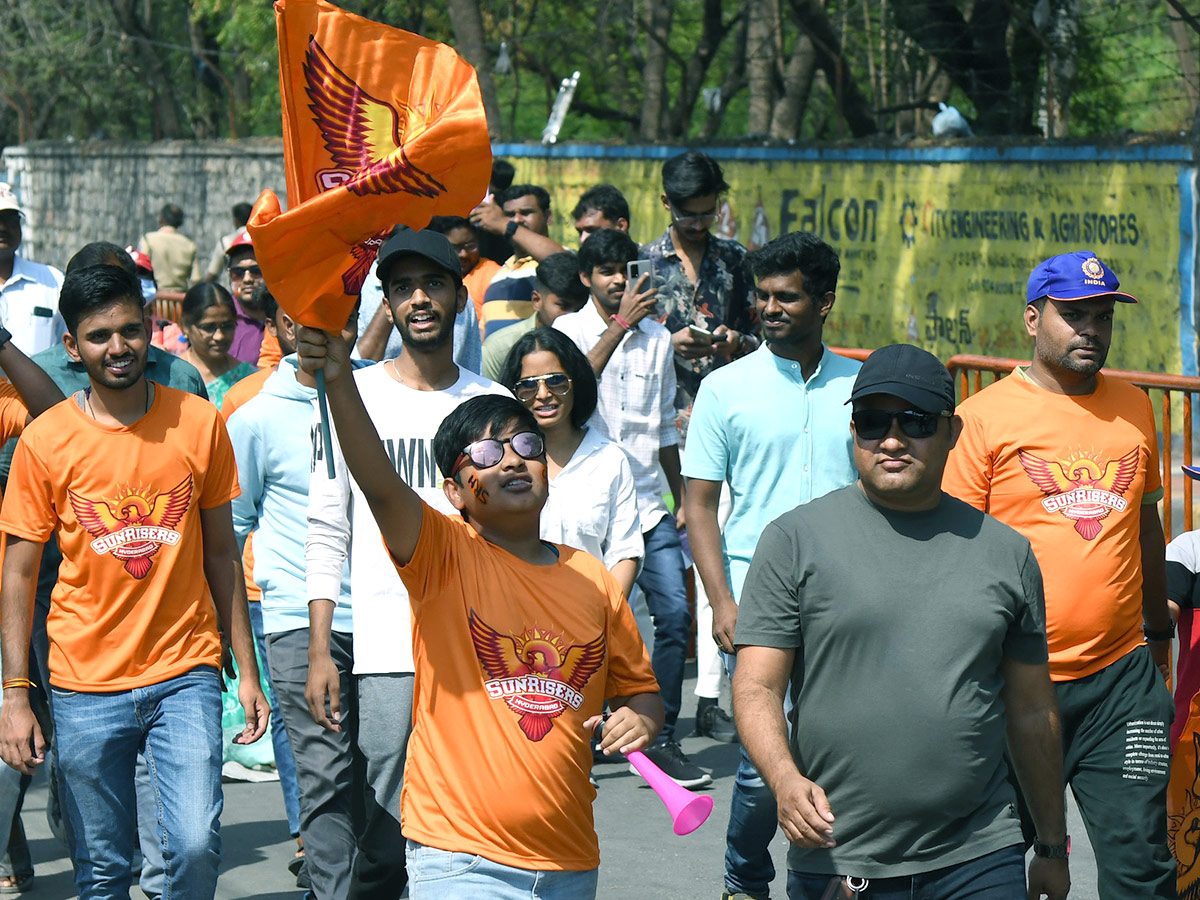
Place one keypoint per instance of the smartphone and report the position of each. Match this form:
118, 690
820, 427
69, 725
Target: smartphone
636, 268
700, 333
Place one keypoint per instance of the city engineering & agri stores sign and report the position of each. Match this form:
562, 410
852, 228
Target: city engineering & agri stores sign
936, 245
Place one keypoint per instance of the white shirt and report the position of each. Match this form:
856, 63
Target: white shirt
636, 407
340, 522
29, 306
593, 503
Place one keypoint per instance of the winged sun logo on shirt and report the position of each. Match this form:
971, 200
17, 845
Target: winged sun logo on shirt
534, 672
135, 524
1084, 489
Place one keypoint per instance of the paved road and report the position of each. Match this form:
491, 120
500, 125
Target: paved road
641, 857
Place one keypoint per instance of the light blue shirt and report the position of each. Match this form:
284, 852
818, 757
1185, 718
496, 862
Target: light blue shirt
778, 440
468, 347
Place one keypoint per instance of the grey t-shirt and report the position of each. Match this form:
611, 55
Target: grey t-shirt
900, 623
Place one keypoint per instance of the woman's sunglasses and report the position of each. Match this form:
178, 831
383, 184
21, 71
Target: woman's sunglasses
557, 383
874, 424
488, 452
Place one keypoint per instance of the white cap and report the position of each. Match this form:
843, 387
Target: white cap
8, 200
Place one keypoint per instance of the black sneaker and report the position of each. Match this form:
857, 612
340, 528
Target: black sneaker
669, 757
713, 722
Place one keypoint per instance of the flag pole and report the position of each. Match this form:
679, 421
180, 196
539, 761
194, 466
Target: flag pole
326, 437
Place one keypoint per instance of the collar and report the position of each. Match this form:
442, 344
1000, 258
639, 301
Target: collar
21, 271
785, 365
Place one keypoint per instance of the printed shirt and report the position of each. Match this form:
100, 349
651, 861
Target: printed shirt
722, 295
773, 460
636, 405
509, 297
29, 306
1071, 473
507, 671
131, 607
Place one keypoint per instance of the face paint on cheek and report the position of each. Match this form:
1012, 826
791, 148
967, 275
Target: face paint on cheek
478, 490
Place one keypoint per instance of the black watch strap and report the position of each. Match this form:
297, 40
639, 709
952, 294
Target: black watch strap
5, 337
511, 228
1052, 851
1163, 634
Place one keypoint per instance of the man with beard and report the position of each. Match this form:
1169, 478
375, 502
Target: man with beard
135, 480
407, 398
774, 425
245, 275
1069, 457
631, 356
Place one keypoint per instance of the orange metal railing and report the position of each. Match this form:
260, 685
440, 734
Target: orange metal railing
969, 372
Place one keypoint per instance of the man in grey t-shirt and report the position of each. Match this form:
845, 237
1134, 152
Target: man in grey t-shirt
911, 630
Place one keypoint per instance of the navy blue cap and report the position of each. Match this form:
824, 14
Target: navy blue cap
1191, 471
1074, 276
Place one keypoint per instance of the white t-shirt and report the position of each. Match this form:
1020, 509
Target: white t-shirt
340, 521
593, 503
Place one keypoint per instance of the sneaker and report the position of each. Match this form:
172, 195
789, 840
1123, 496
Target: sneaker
669, 757
713, 722
741, 895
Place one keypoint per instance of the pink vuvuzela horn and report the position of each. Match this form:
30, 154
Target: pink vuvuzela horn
688, 811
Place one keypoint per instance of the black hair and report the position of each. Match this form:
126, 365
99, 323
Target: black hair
558, 274
690, 175
607, 199
525, 190
102, 253
1039, 304
171, 215
201, 296
241, 213
446, 224
608, 245
799, 251
503, 174
473, 419
88, 288
262, 298
574, 363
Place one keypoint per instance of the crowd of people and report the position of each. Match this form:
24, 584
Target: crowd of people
935, 616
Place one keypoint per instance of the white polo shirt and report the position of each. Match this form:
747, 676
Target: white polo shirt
29, 306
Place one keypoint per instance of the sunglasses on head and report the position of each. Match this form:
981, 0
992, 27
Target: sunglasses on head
874, 424
556, 383
485, 453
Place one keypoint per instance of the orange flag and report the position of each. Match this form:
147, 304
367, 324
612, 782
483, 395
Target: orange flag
380, 127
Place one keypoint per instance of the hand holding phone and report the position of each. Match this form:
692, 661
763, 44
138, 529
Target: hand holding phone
640, 298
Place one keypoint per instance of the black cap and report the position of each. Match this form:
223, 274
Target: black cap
430, 244
907, 372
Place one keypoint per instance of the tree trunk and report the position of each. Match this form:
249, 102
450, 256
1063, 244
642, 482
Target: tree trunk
469, 38
696, 68
797, 83
735, 80
654, 75
165, 109
760, 64
852, 104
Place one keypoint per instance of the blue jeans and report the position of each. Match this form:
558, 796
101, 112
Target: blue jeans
444, 875
177, 725
666, 597
999, 875
753, 820
285, 762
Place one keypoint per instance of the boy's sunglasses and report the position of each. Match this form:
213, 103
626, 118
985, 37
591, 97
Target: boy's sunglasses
484, 454
874, 424
556, 383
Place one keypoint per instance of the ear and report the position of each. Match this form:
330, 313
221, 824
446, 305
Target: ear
462, 298
956, 427
535, 298
1032, 319
454, 493
825, 304
665, 202
623, 225
586, 278
387, 311
289, 328
72, 347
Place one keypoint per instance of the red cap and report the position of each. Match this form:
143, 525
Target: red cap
140, 259
242, 240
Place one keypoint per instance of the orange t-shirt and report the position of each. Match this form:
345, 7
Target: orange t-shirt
13, 414
477, 281
269, 352
239, 395
131, 606
510, 659
1071, 474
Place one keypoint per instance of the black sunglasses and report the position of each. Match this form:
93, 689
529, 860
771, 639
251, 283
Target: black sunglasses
484, 454
557, 383
246, 271
874, 424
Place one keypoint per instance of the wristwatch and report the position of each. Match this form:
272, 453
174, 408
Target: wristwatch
5, 337
1052, 851
1161, 634
511, 228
